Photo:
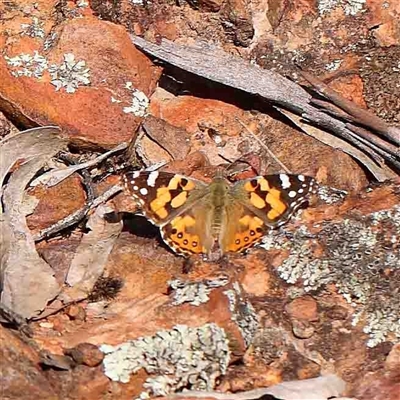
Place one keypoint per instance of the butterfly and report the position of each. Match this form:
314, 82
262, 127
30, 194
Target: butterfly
219, 217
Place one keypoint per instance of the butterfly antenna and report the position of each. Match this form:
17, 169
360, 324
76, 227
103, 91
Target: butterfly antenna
265, 147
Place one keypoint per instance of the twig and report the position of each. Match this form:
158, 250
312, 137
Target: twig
388, 151
77, 216
362, 116
54, 177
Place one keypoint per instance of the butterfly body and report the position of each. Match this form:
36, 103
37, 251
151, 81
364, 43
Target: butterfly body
216, 218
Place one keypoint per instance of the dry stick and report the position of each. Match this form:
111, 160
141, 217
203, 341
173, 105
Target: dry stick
265, 147
77, 216
363, 116
211, 63
388, 151
391, 149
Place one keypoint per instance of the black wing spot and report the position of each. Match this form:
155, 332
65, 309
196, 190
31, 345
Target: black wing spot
254, 183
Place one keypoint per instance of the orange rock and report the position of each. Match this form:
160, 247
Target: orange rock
384, 17
87, 116
392, 362
22, 377
56, 202
303, 308
351, 88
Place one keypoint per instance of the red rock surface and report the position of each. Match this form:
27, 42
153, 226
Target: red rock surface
87, 116
301, 333
22, 377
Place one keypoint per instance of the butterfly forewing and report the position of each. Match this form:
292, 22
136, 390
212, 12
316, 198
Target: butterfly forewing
162, 195
274, 198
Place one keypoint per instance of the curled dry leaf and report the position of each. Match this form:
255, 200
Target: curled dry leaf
92, 254
28, 282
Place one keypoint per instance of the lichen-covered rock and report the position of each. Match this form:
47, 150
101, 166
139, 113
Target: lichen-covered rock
89, 79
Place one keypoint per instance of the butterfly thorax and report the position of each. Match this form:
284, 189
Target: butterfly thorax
218, 199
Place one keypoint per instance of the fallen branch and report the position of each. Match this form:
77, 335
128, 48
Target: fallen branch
211, 63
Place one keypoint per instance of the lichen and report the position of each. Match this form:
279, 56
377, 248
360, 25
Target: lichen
361, 257
27, 65
195, 293
34, 30
50, 41
69, 74
182, 357
350, 7
139, 102
243, 313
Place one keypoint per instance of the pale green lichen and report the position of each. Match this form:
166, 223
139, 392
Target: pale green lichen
361, 257
27, 65
50, 41
139, 102
350, 7
34, 30
243, 313
69, 74
195, 293
182, 357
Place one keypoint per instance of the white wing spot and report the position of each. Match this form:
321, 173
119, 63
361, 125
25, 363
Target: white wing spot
292, 193
285, 181
301, 178
136, 174
304, 185
135, 188
301, 191
143, 191
151, 180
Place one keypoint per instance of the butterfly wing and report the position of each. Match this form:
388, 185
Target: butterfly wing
171, 202
266, 202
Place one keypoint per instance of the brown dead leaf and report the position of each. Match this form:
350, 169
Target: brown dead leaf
28, 281
92, 254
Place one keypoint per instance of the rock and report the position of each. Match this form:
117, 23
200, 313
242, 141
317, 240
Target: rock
377, 386
210, 5
76, 311
302, 330
392, 362
239, 22
86, 353
22, 377
103, 113
56, 202
208, 119
303, 308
